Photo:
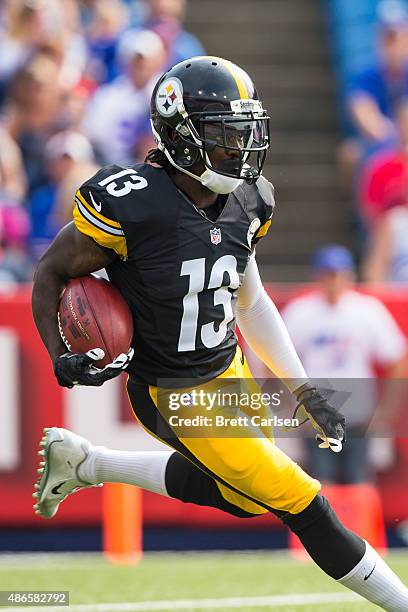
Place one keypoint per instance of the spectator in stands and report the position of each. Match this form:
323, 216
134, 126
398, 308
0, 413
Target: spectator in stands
166, 18
75, 149
387, 255
106, 23
340, 335
74, 104
35, 25
384, 180
117, 120
374, 93
24, 31
13, 182
69, 161
33, 112
15, 264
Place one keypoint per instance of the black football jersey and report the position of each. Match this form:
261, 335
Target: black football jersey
178, 270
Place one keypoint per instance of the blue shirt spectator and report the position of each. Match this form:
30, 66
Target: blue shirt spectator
375, 92
166, 18
105, 24
41, 206
386, 91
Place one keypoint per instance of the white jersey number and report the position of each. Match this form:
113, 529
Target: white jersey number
135, 182
195, 269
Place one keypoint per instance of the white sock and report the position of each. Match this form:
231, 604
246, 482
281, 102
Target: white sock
142, 469
374, 580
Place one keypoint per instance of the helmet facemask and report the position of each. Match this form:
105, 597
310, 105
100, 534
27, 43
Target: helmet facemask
244, 134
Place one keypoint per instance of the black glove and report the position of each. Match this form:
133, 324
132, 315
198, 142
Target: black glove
329, 423
78, 368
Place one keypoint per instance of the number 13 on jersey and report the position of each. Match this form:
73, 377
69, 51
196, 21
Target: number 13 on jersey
222, 296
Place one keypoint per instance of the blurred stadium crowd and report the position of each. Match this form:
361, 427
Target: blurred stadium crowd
75, 83
373, 157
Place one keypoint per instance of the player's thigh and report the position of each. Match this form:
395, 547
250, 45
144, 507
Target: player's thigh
146, 412
250, 470
256, 468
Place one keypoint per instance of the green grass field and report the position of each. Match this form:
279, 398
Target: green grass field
186, 582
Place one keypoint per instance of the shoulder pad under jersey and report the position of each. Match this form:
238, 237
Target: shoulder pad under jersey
98, 204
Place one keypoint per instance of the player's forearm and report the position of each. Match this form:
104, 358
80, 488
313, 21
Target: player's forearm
45, 300
265, 332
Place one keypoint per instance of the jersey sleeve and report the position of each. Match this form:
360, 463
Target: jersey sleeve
94, 217
266, 195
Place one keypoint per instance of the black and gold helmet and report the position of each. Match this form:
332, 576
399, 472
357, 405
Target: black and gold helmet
208, 102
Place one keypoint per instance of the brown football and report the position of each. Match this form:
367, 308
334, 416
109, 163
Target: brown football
93, 314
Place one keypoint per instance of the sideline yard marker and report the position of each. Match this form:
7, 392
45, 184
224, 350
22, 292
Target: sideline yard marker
122, 523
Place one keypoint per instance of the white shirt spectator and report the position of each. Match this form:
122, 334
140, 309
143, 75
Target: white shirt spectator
118, 115
344, 341
113, 117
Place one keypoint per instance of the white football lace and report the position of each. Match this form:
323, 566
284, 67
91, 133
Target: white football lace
63, 337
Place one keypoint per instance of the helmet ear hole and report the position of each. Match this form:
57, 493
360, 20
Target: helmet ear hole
185, 154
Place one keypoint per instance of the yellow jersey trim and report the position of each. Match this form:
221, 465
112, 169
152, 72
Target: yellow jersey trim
263, 230
86, 225
95, 213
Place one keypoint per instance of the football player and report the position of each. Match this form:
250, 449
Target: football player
177, 236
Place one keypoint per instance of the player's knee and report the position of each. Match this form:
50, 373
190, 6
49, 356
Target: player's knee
235, 510
321, 533
318, 509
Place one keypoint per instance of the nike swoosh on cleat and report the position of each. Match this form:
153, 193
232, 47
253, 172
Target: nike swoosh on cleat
368, 575
97, 206
56, 490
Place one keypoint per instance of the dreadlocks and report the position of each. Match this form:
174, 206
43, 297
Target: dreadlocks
155, 156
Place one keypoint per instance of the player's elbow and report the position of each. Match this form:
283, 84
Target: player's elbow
248, 303
47, 273
44, 268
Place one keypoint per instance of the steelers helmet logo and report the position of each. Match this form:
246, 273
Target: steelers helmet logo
169, 96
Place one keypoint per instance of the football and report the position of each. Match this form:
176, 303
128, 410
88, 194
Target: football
93, 314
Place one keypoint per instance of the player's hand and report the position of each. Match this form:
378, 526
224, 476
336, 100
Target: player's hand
80, 368
329, 423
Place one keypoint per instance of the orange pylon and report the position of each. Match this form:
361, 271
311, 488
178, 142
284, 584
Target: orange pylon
122, 523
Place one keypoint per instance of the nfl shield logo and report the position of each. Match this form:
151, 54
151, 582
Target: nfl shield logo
215, 235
